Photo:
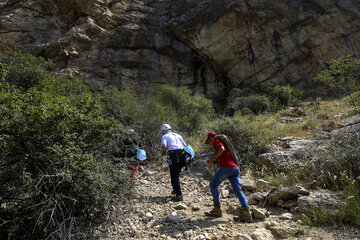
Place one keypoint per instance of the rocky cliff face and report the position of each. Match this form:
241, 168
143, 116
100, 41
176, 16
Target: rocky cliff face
210, 46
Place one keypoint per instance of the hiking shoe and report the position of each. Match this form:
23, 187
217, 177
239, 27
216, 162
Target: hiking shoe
215, 212
177, 198
244, 215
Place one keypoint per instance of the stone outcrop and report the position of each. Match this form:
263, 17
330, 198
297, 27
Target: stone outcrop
299, 152
209, 46
323, 199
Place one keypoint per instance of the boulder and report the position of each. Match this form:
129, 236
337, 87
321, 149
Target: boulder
298, 154
324, 199
286, 194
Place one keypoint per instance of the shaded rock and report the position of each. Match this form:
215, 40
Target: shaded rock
172, 218
212, 45
286, 216
324, 199
350, 128
256, 198
290, 204
243, 237
232, 210
195, 207
286, 194
247, 184
257, 214
280, 232
350, 121
180, 206
329, 126
262, 234
297, 155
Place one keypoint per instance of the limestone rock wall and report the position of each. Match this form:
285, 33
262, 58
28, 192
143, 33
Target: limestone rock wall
211, 46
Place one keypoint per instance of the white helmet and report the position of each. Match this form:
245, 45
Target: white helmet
165, 127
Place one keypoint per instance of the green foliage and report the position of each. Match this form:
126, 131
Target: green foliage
124, 106
285, 179
248, 139
24, 70
347, 212
184, 111
55, 174
256, 103
342, 73
145, 114
355, 99
285, 96
334, 166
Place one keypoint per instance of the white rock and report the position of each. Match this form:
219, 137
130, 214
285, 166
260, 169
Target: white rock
286, 216
258, 214
180, 206
173, 218
262, 234
243, 237
188, 233
200, 237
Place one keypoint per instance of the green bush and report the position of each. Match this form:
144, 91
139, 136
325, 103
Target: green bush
145, 114
284, 96
355, 99
124, 106
56, 175
256, 103
24, 70
186, 112
344, 74
248, 139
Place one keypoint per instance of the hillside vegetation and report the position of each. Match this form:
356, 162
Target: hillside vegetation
60, 143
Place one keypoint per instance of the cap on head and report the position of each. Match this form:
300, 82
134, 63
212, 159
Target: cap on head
164, 128
210, 134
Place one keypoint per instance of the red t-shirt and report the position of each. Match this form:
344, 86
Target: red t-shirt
226, 160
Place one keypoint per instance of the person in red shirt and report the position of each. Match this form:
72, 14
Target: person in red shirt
229, 169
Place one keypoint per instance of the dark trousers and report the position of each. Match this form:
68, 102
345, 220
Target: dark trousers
174, 157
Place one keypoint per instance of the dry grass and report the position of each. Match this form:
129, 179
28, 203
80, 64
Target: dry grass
317, 114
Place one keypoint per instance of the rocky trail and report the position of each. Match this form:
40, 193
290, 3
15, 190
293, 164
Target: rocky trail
153, 215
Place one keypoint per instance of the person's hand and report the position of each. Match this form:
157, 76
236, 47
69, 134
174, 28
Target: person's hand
211, 161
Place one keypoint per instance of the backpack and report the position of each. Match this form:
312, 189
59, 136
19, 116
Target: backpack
186, 155
185, 160
229, 146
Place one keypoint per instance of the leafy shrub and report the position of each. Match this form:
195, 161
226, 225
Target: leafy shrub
342, 73
55, 174
256, 103
355, 99
186, 112
285, 96
248, 139
145, 114
24, 70
124, 106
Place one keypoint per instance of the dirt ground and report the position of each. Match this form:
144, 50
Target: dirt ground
147, 215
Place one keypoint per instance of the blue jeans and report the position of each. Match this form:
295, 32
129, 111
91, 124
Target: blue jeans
233, 174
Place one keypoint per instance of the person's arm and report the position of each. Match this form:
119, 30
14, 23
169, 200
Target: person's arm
164, 149
217, 154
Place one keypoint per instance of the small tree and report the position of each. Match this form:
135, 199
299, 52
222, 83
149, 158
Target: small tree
343, 73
